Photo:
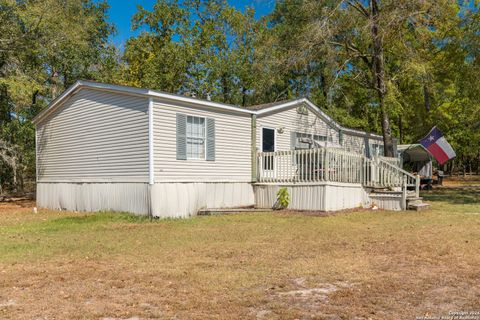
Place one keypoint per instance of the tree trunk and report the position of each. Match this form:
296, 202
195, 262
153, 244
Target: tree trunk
324, 87
9, 155
426, 97
20, 175
15, 180
244, 96
478, 164
400, 129
379, 78
225, 91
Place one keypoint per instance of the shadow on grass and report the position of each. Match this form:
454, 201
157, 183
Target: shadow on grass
458, 195
99, 217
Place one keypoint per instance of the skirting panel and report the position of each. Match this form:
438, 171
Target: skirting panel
387, 202
182, 200
322, 197
125, 197
345, 196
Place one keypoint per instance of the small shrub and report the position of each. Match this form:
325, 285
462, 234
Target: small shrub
283, 199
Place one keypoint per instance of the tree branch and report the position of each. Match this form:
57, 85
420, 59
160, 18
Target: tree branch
351, 47
359, 7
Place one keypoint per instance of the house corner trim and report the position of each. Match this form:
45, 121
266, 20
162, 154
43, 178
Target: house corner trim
254, 148
151, 172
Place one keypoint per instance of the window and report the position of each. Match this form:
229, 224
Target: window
320, 138
195, 137
305, 140
376, 149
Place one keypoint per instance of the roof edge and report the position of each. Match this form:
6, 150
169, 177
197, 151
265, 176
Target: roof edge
322, 114
135, 91
168, 96
56, 101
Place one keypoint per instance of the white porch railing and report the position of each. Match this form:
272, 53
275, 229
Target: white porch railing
331, 164
311, 165
393, 176
394, 161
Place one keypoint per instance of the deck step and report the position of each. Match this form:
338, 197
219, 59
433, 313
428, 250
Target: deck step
219, 211
414, 202
418, 206
414, 198
385, 192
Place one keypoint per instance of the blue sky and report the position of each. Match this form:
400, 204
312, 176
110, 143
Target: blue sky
121, 12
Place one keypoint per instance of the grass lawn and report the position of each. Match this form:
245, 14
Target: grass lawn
283, 265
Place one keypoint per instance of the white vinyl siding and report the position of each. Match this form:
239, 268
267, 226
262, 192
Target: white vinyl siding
354, 143
359, 144
287, 121
231, 147
95, 136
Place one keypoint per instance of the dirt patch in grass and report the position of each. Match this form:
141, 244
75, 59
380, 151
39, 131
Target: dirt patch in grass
16, 205
321, 213
284, 265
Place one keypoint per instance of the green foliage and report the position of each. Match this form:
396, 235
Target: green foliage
201, 47
45, 46
318, 49
324, 51
283, 199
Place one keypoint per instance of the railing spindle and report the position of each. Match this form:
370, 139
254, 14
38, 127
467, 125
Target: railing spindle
330, 164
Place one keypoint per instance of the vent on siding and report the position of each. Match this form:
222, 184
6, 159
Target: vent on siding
302, 109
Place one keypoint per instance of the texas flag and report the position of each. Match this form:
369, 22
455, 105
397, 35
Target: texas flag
438, 146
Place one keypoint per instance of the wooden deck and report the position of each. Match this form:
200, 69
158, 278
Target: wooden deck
332, 167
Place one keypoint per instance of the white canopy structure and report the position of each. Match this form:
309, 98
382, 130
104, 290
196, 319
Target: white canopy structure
418, 156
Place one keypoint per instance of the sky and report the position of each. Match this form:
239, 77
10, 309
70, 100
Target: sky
121, 12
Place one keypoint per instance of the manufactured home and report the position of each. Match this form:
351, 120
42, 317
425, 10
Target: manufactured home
110, 147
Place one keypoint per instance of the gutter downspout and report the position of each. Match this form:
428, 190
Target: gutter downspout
254, 147
36, 156
151, 171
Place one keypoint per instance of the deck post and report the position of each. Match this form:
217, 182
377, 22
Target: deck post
327, 159
404, 193
417, 186
254, 147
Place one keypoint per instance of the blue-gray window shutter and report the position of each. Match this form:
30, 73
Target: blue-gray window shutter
210, 139
181, 136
